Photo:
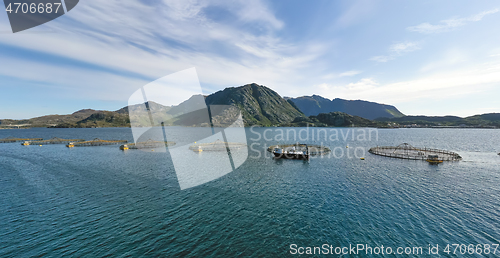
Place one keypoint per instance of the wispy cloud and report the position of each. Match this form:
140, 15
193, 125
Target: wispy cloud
349, 73
396, 50
138, 43
405, 47
382, 59
441, 86
362, 85
449, 24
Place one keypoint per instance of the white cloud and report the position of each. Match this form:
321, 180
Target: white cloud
405, 47
436, 87
382, 59
355, 12
362, 85
251, 11
449, 58
149, 41
349, 73
449, 24
397, 49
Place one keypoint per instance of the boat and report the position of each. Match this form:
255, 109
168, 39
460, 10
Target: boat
434, 159
124, 147
26, 143
70, 145
298, 151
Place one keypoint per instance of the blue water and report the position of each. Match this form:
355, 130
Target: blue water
100, 201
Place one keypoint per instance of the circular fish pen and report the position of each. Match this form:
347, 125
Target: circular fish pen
314, 150
406, 151
12, 139
216, 146
149, 144
56, 140
95, 142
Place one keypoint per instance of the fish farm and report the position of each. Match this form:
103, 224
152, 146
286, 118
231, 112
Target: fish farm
216, 146
406, 151
54, 140
95, 142
149, 144
12, 139
314, 150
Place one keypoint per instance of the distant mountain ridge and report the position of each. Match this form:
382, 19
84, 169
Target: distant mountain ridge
484, 120
314, 105
43, 121
258, 105
334, 119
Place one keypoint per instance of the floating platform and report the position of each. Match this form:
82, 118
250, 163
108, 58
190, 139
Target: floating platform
406, 151
55, 140
95, 142
149, 144
12, 139
216, 146
314, 150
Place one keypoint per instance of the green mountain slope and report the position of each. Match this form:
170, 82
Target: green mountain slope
258, 104
485, 120
44, 121
100, 119
335, 119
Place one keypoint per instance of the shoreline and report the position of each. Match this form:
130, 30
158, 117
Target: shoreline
259, 126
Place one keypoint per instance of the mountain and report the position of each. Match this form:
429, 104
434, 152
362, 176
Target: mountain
44, 121
485, 120
258, 104
334, 119
314, 105
432, 120
99, 119
492, 119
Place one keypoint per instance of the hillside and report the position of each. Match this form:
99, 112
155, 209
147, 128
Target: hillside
99, 119
314, 105
334, 119
44, 121
258, 104
485, 120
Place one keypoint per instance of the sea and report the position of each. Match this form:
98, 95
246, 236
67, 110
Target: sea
104, 202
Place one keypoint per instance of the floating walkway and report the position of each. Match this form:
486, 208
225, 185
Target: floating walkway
95, 142
55, 140
406, 151
149, 144
216, 146
314, 150
12, 139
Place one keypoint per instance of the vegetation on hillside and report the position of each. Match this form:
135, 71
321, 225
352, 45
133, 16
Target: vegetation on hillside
258, 105
334, 119
485, 120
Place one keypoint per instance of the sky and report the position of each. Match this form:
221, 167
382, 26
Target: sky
424, 57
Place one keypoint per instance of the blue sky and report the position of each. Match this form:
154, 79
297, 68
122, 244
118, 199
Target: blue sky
424, 57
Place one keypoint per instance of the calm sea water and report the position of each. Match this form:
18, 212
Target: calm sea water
100, 201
